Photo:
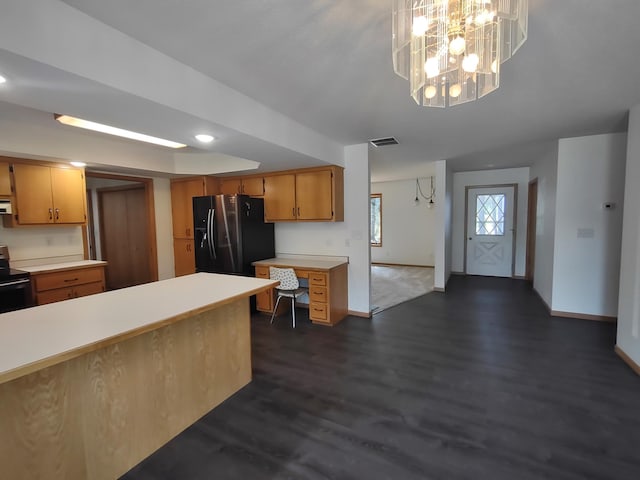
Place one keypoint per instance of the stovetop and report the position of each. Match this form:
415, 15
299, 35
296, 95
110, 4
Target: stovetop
12, 274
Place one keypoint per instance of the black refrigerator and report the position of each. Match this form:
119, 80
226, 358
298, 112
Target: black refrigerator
230, 233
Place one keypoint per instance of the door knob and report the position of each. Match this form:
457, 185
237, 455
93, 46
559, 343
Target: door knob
470, 238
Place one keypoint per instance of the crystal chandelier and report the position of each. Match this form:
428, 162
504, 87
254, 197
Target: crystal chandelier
451, 50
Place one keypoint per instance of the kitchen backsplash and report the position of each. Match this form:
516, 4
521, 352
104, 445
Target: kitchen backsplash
30, 246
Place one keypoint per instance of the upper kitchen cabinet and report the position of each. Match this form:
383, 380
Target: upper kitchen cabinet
48, 195
182, 192
252, 186
5, 180
310, 195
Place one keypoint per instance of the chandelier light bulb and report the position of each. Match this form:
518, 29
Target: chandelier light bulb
431, 67
457, 45
430, 92
455, 90
470, 63
420, 26
494, 66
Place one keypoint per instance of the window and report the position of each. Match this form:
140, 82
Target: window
376, 220
490, 214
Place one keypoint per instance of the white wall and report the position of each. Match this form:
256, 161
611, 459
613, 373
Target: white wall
586, 264
628, 338
349, 238
407, 227
42, 245
442, 227
461, 180
546, 171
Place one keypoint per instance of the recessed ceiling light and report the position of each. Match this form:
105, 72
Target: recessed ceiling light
204, 138
78, 164
98, 127
2, 79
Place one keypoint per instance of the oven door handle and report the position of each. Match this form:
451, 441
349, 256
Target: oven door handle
16, 282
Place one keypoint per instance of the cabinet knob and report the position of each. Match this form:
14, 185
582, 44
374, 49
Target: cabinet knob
57, 214
50, 214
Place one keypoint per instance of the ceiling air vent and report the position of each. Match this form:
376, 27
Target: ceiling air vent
383, 142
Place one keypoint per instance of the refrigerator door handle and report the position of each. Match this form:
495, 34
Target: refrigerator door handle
212, 246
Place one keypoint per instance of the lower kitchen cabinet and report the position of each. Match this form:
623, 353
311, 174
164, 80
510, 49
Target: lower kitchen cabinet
184, 256
55, 286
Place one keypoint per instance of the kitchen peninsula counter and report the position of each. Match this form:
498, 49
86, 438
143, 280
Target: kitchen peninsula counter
91, 386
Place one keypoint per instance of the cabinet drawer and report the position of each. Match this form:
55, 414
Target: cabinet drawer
262, 272
88, 289
318, 294
317, 278
67, 278
51, 296
318, 311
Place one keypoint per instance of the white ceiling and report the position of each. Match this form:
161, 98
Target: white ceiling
326, 65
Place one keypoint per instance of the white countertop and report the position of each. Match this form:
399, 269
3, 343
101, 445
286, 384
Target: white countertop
42, 336
52, 267
300, 263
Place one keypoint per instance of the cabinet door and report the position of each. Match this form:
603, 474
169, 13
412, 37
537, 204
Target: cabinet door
182, 205
33, 194
5, 180
314, 195
184, 256
253, 186
52, 296
230, 186
68, 189
279, 198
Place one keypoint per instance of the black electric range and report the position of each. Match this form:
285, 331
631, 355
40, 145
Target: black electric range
15, 288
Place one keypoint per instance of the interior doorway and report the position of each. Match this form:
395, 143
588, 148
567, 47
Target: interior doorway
123, 228
490, 230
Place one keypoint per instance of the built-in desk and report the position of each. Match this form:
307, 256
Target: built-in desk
328, 287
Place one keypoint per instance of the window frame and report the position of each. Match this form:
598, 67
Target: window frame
371, 197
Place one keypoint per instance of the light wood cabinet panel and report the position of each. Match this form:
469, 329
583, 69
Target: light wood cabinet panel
230, 186
46, 195
252, 186
5, 180
184, 256
264, 300
313, 195
314, 192
34, 198
280, 198
182, 194
69, 197
61, 285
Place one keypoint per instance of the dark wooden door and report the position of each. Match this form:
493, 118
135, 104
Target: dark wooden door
124, 236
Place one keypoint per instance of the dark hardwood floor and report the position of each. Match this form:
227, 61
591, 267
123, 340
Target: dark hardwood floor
478, 383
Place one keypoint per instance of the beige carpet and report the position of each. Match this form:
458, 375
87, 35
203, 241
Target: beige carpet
391, 285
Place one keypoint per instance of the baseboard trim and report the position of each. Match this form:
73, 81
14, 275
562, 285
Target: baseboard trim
543, 301
458, 273
356, 313
627, 359
519, 277
584, 316
438, 289
400, 265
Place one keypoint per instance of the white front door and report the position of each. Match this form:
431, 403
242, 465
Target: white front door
490, 231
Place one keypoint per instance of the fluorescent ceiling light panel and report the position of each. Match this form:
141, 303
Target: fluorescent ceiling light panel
78, 164
2, 79
98, 127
